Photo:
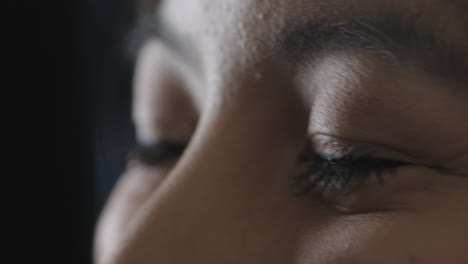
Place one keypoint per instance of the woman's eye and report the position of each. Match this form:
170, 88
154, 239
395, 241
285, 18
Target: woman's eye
344, 173
158, 152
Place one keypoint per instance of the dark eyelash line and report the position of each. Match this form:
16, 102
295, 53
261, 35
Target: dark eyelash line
343, 173
339, 173
158, 152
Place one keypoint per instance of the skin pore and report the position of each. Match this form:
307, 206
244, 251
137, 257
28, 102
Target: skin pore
248, 86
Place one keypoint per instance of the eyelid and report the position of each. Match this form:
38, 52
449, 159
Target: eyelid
344, 173
341, 165
330, 145
158, 152
337, 145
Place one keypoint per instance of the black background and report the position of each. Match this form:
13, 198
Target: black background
98, 72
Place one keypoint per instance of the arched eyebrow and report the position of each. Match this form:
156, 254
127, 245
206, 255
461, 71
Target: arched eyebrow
400, 39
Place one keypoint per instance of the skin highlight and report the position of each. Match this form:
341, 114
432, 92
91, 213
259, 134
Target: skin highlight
246, 110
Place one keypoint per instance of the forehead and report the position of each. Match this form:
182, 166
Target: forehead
206, 15
217, 39
246, 24
225, 19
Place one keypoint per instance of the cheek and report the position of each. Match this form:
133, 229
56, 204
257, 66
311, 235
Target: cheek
431, 232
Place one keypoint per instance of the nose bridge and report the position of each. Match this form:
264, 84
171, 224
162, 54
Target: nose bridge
238, 145
247, 125
229, 180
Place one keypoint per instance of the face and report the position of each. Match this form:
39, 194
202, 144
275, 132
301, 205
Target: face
297, 132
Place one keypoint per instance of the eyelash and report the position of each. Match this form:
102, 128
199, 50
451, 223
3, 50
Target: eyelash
339, 173
157, 153
343, 173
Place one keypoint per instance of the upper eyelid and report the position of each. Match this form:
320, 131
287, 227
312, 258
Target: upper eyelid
390, 163
158, 152
326, 143
378, 151
321, 174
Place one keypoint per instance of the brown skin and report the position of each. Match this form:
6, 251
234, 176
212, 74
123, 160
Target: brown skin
248, 112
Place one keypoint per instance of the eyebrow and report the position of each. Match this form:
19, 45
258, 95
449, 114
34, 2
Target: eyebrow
397, 39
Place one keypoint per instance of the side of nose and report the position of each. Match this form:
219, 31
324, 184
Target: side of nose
228, 198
